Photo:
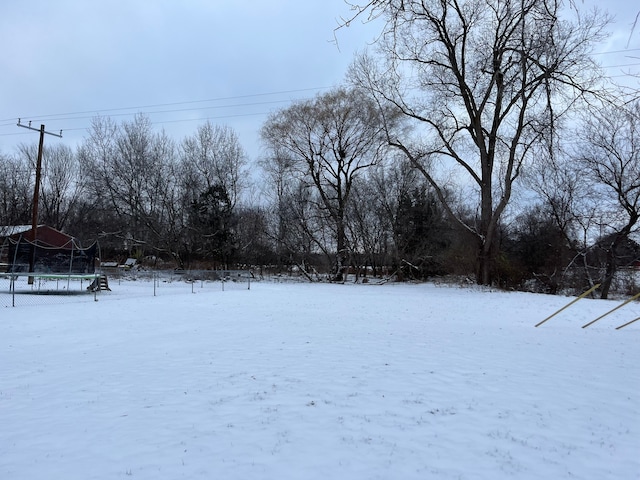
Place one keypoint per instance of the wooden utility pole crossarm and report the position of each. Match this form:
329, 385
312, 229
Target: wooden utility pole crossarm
20, 124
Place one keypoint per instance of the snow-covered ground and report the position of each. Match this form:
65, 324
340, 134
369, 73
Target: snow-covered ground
299, 381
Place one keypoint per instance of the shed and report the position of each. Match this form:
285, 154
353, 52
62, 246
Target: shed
45, 235
52, 251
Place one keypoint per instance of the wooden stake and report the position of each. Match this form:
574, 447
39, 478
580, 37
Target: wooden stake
612, 310
569, 304
628, 323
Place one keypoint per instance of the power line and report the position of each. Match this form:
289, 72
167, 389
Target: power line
212, 118
218, 99
617, 51
172, 111
221, 117
620, 66
160, 122
12, 134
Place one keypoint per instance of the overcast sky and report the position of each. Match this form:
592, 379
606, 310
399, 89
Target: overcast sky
182, 62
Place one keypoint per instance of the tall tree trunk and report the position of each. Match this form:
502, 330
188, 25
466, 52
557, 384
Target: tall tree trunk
612, 262
341, 252
610, 271
485, 263
487, 228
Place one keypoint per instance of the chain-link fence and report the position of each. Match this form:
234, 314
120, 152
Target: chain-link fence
22, 290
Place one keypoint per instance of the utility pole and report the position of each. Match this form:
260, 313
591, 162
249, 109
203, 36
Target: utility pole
36, 192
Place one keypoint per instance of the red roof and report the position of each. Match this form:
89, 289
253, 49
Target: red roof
45, 235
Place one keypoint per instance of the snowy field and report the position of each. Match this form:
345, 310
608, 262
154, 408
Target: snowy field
299, 381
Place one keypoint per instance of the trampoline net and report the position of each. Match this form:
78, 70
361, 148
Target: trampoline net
45, 259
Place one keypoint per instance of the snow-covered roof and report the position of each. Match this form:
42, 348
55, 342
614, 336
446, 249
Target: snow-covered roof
8, 230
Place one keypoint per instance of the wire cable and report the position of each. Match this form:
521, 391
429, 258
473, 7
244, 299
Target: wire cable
139, 107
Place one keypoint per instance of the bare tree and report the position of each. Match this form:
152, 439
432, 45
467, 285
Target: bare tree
536, 251
570, 201
97, 154
212, 177
60, 182
370, 227
131, 175
214, 156
279, 182
296, 226
61, 187
331, 140
16, 191
482, 82
609, 153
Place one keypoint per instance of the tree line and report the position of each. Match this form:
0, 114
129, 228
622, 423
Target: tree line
478, 138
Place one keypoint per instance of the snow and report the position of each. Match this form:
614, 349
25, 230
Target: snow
290, 381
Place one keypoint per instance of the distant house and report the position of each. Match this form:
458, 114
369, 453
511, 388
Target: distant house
52, 251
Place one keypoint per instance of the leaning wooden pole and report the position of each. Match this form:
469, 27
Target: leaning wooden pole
569, 304
628, 323
612, 310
